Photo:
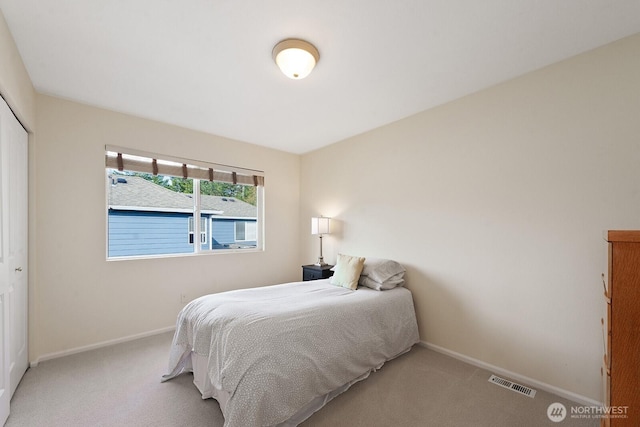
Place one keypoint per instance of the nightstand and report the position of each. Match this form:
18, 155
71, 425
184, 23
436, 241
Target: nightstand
315, 272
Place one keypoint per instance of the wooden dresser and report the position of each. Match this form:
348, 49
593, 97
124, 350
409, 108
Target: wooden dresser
622, 358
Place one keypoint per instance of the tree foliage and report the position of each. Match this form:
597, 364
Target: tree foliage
245, 193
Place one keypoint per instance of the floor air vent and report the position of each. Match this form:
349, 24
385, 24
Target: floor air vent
518, 388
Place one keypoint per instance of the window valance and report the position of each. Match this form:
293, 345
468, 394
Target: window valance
138, 161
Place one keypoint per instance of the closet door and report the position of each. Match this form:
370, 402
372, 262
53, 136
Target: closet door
13, 255
17, 195
5, 385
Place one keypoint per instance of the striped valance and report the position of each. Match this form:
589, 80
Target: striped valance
137, 161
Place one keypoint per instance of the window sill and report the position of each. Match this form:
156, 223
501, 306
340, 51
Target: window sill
203, 253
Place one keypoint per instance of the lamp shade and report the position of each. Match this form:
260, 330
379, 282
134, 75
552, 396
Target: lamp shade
295, 58
320, 225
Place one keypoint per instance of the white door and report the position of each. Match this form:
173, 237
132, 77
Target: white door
17, 192
13, 256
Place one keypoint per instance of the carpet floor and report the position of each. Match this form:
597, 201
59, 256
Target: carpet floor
120, 386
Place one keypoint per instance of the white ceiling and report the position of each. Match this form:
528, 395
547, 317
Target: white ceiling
206, 64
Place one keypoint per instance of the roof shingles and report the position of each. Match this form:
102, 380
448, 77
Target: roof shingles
138, 192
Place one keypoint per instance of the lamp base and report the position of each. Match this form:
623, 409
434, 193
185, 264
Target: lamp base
321, 262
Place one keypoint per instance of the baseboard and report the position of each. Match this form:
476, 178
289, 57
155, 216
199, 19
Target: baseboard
513, 376
58, 354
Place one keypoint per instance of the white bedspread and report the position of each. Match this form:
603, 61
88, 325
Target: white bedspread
276, 348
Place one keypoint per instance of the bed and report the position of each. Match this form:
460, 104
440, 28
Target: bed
274, 355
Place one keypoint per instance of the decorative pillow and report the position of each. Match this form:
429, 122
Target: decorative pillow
380, 270
347, 271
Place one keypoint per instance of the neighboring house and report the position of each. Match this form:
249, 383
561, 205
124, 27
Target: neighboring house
148, 219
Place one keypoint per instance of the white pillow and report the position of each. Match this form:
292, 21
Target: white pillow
386, 285
381, 270
347, 271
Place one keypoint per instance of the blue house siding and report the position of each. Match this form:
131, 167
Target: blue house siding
148, 233
222, 233
133, 233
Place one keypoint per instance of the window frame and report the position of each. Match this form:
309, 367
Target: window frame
247, 225
196, 213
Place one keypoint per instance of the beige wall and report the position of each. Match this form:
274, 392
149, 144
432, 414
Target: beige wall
15, 84
497, 205
84, 299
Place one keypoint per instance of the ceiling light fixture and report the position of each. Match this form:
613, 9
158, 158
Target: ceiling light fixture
296, 58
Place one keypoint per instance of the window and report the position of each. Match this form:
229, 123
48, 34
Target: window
157, 205
245, 230
203, 230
